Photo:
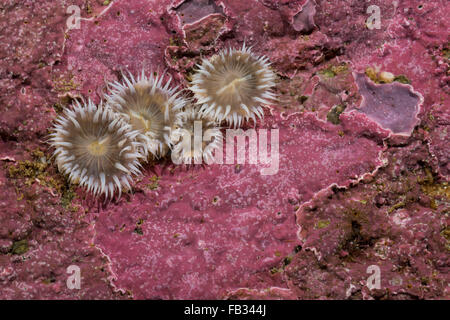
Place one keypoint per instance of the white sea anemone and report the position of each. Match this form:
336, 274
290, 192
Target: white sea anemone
233, 85
95, 148
208, 133
149, 107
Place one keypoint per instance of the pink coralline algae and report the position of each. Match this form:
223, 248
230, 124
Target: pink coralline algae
362, 178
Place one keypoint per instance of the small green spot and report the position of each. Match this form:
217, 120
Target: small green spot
19, 247
67, 197
302, 99
335, 112
446, 53
396, 206
333, 71
446, 234
154, 183
424, 281
402, 79
138, 230
322, 224
328, 73
287, 260
275, 270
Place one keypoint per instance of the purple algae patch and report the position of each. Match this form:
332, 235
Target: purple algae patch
393, 106
303, 21
193, 10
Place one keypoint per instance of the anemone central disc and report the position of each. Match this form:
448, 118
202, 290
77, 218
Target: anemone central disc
140, 118
98, 148
232, 87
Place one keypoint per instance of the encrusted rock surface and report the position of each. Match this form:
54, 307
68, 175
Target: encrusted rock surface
363, 120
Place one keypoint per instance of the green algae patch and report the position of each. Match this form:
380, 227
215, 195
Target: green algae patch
287, 260
322, 224
333, 71
154, 183
402, 79
65, 85
435, 190
446, 53
138, 229
328, 73
28, 170
19, 247
446, 234
335, 112
396, 206
276, 270
67, 197
32, 171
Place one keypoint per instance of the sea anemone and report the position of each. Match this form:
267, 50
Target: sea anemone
149, 107
208, 134
95, 148
232, 86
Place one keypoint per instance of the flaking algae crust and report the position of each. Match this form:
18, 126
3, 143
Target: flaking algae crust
360, 182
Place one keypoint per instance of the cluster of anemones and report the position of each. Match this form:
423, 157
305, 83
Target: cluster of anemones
102, 147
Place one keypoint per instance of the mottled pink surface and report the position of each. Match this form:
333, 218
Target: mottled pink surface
363, 167
207, 229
